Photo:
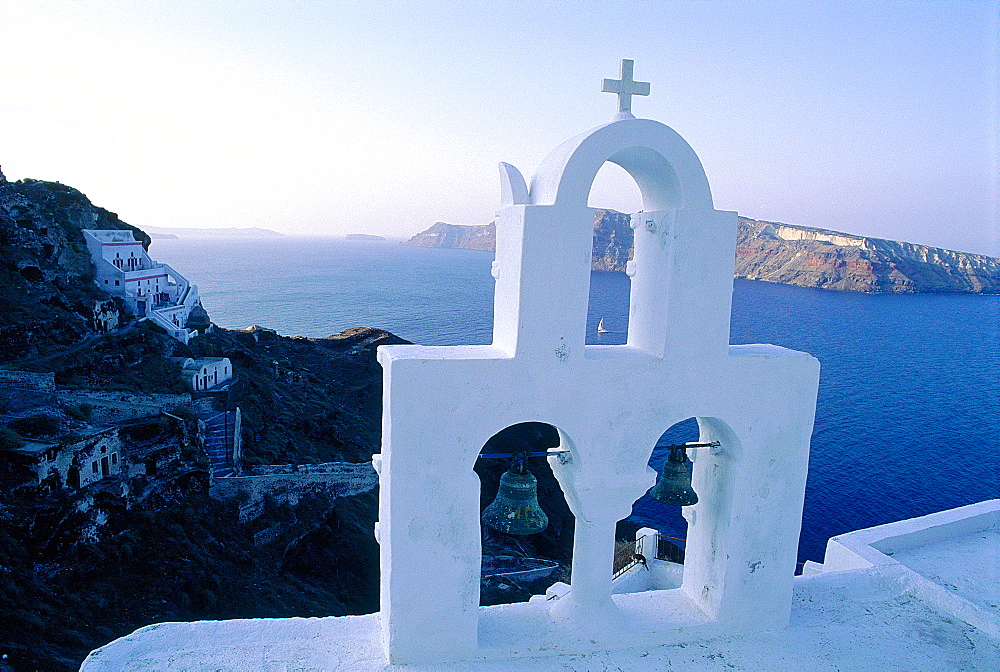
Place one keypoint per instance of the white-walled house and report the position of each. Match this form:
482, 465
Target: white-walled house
205, 373
150, 289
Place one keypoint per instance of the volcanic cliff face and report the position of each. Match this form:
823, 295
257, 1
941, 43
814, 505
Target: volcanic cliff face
808, 257
612, 240
786, 254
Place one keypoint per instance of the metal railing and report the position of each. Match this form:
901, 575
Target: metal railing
670, 549
628, 554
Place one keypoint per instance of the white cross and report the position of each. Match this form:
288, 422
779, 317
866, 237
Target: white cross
625, 88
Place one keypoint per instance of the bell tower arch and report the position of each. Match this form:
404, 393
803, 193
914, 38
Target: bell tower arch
683, 251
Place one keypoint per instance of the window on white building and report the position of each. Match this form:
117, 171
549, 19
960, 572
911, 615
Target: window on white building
93, 467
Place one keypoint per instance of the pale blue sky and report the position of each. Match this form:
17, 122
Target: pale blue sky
875, 118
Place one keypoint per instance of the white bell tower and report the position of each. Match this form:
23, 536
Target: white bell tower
610, 404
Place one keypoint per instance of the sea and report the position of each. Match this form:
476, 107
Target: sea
908, 415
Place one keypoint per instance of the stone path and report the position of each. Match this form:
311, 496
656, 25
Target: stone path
219, 428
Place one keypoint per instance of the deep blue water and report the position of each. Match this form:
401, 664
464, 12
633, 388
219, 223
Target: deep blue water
908, 416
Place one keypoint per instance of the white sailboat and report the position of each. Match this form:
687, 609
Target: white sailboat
601, 329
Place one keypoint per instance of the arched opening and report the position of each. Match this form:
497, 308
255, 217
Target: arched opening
614, 195
650, 543
517, 561
614, 188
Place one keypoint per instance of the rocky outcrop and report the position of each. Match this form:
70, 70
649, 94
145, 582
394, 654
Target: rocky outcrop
49, 300
612, 240
477, 237
810, 257
786, 254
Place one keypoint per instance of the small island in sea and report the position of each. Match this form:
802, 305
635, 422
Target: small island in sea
363, 236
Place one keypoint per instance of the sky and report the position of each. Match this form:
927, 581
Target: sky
328, 118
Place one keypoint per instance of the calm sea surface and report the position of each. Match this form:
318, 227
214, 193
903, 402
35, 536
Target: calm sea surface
908, 418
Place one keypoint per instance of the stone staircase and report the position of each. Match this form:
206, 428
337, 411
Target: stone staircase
220, 430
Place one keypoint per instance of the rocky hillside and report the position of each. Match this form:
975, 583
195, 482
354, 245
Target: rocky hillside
80, 566
305, 399
787, 254
612, 241
49, 300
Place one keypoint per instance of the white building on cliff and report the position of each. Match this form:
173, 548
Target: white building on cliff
205, 373
150, 289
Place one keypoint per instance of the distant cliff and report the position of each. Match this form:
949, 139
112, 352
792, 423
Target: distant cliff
808, 257
612, 240
787, 254
476, 237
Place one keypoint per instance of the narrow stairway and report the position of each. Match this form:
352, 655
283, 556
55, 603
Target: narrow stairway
219, 429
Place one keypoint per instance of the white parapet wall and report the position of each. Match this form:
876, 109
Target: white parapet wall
289, 482
853, 619
950, 559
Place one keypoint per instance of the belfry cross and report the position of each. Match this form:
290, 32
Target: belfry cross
625, 87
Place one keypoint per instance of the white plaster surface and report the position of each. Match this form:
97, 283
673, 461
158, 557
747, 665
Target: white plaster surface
950, 559
656, 575
969, 565
856, 620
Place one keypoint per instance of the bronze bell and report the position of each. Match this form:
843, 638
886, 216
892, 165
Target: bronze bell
515, 509
674, 485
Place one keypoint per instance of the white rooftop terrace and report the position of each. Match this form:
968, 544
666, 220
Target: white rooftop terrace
919, 594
